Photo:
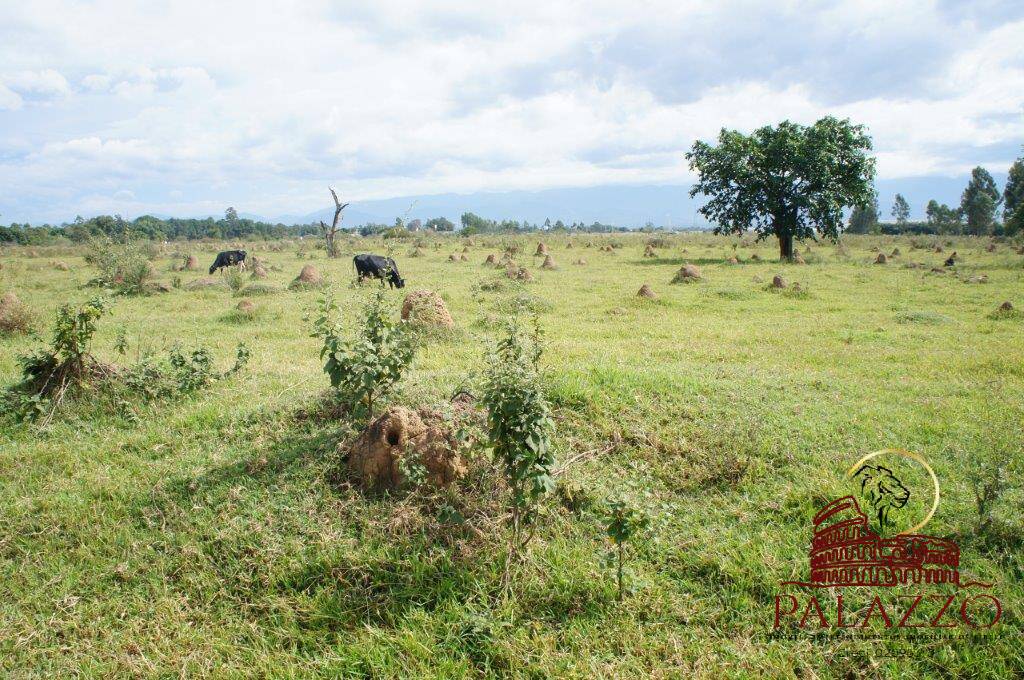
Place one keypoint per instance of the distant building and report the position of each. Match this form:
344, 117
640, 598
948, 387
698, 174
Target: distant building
845, 552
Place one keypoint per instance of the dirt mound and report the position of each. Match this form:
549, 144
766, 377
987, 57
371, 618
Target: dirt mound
977, 279
541, 249
568, 246
798, 259
938, 249
191, 263
426, 307
991, 248
518, 273
880, 259
416, 252
309, 277
646, 292
465, 249
399, 436
580, 261
549, 263
60, 265
733, 260
895, 252
491, 259
246, 306
1006, 307
258, 272
649, 252
778, 282
755, 258
454, 258
15, 316
687, 273
463, 258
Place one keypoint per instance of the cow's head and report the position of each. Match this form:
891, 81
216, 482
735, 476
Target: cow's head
393, 276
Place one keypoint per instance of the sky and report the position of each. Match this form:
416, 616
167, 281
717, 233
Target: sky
182, 108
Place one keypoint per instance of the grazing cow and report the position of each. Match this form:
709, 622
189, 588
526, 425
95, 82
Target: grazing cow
951, 260
375, 266
228, 258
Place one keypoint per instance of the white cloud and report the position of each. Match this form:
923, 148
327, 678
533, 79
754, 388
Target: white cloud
266, 105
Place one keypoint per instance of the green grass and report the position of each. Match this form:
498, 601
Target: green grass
214, 535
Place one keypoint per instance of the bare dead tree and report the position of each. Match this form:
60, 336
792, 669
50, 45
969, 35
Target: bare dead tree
330, 232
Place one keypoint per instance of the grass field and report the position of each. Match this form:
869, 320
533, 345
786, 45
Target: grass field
213, 535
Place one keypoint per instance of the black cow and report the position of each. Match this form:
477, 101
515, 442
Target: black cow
228, 258
951, 260
383, 268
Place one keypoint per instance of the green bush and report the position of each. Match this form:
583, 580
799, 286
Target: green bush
124, 264
519, 424
365, 367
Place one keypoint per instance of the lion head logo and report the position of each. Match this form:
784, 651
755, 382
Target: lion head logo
883, 490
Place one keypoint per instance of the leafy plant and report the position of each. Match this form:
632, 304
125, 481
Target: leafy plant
235, 280
623, 524
365, 367
48, 373
519, 424
124, 264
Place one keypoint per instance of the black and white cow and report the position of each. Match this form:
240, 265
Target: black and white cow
375, 266
228, 258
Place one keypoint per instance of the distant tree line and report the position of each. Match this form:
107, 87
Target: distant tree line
147, 226
233, 227
977, 215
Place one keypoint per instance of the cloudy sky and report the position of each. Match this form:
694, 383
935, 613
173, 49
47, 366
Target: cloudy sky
182, 107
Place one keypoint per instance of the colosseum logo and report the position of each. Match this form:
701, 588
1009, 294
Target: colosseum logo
848, 553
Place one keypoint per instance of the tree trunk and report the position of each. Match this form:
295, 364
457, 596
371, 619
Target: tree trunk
785, 247
330, 232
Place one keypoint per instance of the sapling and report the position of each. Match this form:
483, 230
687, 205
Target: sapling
519, 425
365, 367
624, 523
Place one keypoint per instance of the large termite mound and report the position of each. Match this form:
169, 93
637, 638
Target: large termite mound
426, 307
401, 440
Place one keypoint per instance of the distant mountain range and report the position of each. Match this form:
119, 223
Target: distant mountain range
620, 205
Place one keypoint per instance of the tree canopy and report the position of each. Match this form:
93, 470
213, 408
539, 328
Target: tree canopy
791, 181
1013, 199
979, 202
900, 210
864, 219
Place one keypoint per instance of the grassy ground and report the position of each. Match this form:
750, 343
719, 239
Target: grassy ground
213, 536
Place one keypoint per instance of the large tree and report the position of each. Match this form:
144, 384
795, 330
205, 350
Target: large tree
900, 210
791, 181
1013, 199
979, 202
864, 218
944, 219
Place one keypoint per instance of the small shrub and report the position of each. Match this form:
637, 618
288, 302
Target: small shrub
519, 425
365, 367
623, 524
235, 280
124, 264
49, 373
